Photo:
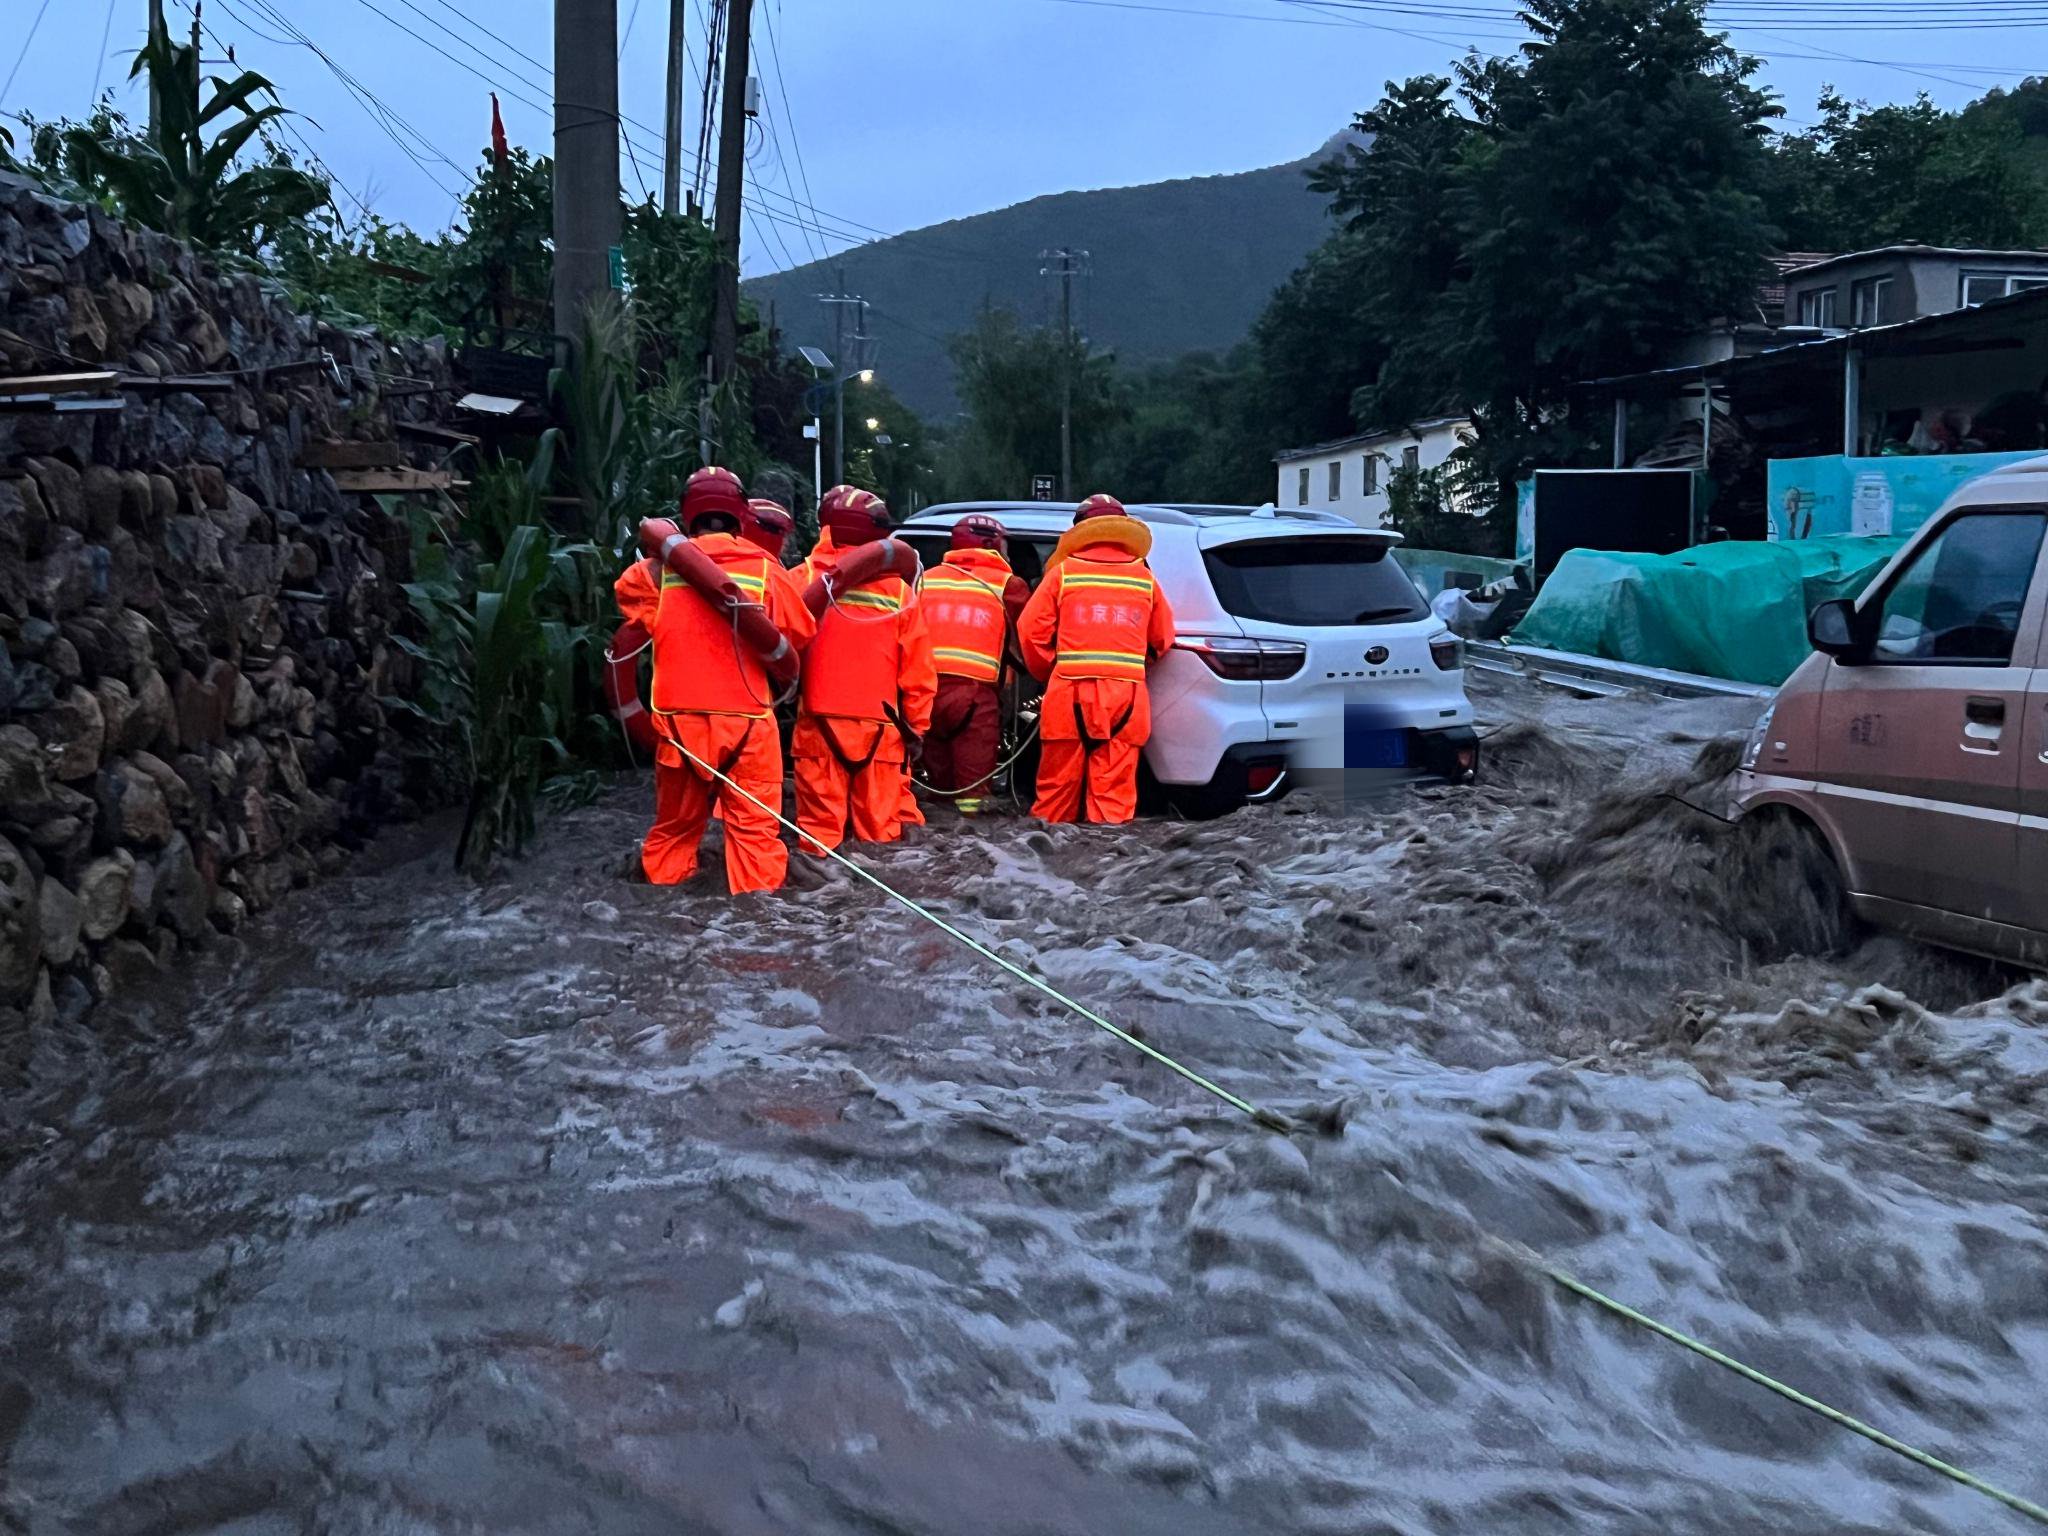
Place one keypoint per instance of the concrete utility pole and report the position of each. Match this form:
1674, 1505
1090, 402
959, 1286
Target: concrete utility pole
1067, 265
156, 25
672, 122
840, 301
587, 218
732, 181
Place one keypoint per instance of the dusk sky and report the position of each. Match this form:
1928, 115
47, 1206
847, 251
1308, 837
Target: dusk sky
907, 112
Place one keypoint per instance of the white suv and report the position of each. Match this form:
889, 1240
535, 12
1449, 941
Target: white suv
1302, 648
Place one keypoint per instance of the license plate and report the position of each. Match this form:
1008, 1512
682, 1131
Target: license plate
1365, 747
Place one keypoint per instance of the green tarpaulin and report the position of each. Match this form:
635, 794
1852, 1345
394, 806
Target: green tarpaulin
1735, 610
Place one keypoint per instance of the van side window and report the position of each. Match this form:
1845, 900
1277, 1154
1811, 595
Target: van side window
1960, 599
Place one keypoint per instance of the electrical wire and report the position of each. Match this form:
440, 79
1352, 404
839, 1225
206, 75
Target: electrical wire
26, 42
99, 68
789, 116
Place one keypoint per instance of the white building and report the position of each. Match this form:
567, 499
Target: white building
1350, 475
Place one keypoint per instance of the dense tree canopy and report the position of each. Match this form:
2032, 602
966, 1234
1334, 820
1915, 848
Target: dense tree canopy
1560, 214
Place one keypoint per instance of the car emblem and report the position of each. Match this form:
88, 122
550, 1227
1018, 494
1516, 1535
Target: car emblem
1377, 654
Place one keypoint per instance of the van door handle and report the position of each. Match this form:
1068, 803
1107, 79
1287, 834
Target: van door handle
1979, 710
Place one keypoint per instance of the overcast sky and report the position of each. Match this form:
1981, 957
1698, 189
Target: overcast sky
907, 112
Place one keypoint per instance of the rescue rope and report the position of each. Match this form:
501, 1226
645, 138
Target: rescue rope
1010, 761
1266, 1117
1527, 1257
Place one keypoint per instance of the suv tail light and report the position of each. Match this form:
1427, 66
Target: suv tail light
1447, 651
1244, 660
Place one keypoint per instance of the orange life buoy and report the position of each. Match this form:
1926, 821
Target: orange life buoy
622, 685
664, 541
869, 562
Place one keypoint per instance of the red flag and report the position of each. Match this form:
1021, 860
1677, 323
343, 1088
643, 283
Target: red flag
500, 150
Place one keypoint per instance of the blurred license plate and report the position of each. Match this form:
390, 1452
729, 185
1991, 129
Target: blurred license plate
1365, 747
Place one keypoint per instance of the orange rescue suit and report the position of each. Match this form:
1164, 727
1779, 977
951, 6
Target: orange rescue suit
868, 677
712, 699
971, 603
1088, 633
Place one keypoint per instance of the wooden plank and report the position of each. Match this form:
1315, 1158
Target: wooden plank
60, 384
383, 482
334, 453
434, 434
178, 384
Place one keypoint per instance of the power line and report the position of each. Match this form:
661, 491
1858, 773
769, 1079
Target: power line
285, 121
789, 115
99, 68
25, 42
385, 117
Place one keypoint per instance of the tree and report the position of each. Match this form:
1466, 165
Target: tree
173, 177
1009, 379
1866, 176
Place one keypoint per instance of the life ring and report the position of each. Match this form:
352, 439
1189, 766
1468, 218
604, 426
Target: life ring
663, 541
869, 562
622, 685
1125, 533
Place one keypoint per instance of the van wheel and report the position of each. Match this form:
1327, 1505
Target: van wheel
1800, 898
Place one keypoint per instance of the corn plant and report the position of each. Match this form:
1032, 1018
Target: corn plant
173, 177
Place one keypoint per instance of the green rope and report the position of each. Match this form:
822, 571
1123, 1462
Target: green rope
1273, 1120
1265, 1117
1877, 1436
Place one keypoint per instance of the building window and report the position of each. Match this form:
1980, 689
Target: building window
1818, 308
1411, 459
1867, 300
1336, 480
1981, 287
1301, 488
1369, 474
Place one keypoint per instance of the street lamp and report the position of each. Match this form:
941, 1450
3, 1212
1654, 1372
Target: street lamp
820, 365
866, 375
874, 423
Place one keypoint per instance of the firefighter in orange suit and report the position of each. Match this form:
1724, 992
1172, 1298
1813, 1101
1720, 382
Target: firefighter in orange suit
1095, 622
769, 525
971, 605
712, 697
868, 688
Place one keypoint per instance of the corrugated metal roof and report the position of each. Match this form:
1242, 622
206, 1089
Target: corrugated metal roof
1360, 439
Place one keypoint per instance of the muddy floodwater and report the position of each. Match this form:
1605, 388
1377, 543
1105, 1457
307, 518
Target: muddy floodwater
569, 1205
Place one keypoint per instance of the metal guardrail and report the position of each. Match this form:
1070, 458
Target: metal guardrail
1594, 674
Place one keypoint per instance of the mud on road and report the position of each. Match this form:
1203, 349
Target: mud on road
569, 1205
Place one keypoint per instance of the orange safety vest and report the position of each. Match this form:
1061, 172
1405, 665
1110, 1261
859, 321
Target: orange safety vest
963, 608
852, 669
1104, 613
700, 665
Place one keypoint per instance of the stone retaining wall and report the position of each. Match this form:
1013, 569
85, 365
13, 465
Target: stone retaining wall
196, 630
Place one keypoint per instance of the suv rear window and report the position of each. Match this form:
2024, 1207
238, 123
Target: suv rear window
1028, 551
1313, 582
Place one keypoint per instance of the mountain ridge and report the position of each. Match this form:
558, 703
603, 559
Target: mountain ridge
1175, 267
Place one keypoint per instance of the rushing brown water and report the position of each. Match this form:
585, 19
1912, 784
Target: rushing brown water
569, 1205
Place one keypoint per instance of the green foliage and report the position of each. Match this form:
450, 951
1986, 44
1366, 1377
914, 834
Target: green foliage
1448, 507
1009, 379
1191, 431
180, 175
514, 617
1865, 176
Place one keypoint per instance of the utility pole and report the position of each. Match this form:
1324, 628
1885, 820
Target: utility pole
156, 110
839, 302
587, 218
672, 123
732, 180
1067, 265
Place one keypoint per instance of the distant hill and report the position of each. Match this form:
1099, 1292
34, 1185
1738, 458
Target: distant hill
1177, 267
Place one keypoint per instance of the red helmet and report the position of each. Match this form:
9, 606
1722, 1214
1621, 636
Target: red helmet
854, 516
767, 524
979, 531
1099, 505
711, 493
